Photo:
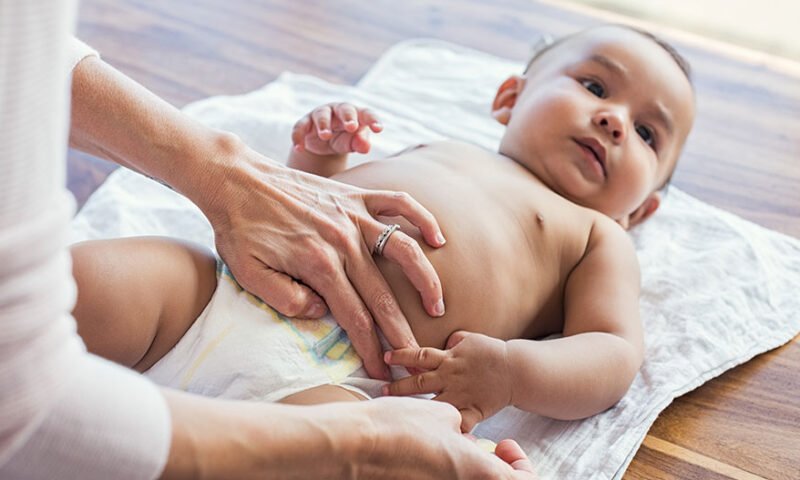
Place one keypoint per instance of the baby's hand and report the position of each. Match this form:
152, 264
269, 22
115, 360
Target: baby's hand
472, 375
335, 129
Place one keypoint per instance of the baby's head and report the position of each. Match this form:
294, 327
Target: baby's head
600, 117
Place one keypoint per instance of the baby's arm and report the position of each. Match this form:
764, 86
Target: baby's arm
592, 366
323, 138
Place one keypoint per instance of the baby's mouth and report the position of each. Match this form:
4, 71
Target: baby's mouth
597, 150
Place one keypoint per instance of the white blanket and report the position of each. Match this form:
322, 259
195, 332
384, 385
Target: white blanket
717, 290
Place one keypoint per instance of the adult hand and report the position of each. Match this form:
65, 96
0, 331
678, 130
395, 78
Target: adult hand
420, 439
300, 242
275, 227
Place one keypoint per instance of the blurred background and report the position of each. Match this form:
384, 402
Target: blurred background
769, 26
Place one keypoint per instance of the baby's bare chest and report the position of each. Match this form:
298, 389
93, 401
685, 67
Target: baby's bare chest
511, 244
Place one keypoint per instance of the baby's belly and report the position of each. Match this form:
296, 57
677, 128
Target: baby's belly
483, 268
477, 273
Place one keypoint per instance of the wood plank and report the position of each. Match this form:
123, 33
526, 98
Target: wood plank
694, 458
742, 156
748, 417
653, 464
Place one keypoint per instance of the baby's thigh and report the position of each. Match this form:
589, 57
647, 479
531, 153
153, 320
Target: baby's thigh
138, 296
323, 394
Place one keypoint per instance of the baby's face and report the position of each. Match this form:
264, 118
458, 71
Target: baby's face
600, 118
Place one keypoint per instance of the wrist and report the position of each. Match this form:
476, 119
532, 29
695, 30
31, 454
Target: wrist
352, 434
322, 165
510, 359
222, 171
220, 439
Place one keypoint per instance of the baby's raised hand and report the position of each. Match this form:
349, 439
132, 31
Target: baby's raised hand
472, 374
335, 129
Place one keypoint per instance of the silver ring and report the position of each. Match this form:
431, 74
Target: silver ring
383, 238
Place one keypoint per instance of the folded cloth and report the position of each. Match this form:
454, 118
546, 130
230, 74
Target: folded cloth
716, 289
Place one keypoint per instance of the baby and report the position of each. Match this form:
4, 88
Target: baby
536, 243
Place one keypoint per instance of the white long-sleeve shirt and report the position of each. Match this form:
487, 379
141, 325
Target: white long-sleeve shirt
64, 413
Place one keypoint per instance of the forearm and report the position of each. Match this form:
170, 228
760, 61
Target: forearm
231, 439
322, 165
115, 118
572, 377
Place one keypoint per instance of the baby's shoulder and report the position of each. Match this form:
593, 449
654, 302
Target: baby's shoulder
608, 243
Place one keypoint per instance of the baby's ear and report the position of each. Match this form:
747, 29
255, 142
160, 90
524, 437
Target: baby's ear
506, 97
645, 211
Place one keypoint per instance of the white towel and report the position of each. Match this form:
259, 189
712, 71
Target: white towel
717, 290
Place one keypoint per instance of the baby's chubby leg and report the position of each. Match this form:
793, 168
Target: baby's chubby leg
138, 296
322, 394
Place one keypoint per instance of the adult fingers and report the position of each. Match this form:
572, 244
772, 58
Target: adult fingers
427, 382
282, 292
426, 357
327, 277
321, 117
401, 204
378, 297
406, 252
510, 452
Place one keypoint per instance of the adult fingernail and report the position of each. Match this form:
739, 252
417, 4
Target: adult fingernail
440, 239
438, 309
385, 390
387, 357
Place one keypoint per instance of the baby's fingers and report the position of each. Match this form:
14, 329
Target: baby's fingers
321, 117
348, 115
360, 141
425, 358
469, 418
299, 132
428, 382
367, 117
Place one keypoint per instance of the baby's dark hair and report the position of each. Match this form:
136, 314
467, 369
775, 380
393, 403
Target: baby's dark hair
683, 64
548, 44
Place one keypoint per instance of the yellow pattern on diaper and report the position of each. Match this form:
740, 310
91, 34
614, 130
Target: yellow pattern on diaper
187, 379
324, 343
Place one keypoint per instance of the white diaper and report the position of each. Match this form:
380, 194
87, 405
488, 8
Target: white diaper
240, 348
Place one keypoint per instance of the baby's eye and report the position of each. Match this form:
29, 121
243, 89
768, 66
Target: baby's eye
594, 87
647, 134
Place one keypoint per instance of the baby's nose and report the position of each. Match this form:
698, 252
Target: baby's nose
613, 123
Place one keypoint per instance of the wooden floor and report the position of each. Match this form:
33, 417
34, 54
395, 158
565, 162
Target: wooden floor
744, 156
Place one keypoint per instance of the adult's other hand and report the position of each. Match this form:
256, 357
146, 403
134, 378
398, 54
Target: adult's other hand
420, 439
300, 242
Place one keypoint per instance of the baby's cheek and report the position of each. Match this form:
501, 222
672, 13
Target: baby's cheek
630, 191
